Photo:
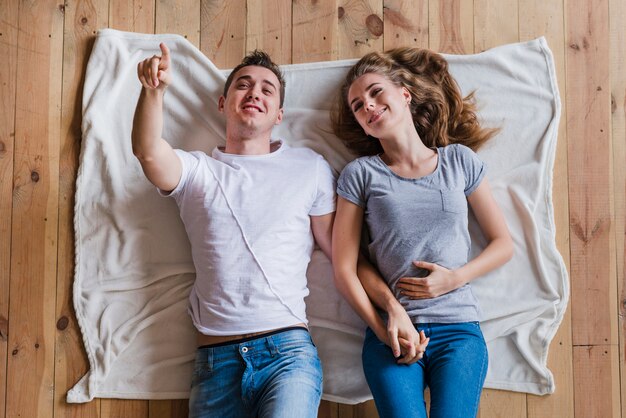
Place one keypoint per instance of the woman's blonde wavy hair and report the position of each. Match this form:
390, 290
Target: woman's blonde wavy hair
441, 114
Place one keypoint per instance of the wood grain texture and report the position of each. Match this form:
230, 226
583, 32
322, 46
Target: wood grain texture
360, 27
451, 26
181, 17
223, 31
406, 23
495, 23
268, 28
8, 81
314, 31
132, 16
30, 368
617, 68
588, 121
70, 358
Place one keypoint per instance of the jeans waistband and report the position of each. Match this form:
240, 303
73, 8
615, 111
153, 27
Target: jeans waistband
254, 337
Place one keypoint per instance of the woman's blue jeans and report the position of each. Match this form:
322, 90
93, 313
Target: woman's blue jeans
275, 376
454, 367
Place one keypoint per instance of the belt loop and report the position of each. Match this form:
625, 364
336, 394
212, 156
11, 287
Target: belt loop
209, 359
271, 347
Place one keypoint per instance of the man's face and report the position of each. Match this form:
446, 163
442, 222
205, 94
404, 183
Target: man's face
253, 100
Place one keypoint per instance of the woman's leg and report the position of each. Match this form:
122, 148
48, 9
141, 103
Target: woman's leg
398, 389
456, 366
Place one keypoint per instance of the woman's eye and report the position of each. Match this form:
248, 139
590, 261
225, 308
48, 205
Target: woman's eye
357, 107
376, 91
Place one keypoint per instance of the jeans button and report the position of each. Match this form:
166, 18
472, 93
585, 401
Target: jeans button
244, 349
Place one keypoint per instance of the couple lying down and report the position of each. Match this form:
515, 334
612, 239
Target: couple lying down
397, 235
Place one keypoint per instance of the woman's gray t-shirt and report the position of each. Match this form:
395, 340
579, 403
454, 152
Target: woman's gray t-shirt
421, 219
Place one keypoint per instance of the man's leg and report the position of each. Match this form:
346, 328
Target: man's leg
398, 389
216, 384
290, 380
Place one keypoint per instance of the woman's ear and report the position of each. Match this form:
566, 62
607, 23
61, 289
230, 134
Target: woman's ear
407, 95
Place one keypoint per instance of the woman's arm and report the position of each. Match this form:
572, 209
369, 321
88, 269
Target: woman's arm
498, 251
345, 250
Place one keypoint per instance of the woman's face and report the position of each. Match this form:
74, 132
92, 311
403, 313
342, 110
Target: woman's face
379, 105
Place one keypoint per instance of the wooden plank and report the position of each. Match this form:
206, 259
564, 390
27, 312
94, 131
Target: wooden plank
600, 383
362, 410
592, 240
495, 23
588, 118
30, 368
360, 27
451, 26
406, 23
545, 18
133, 16
169, 409
617, 73
181, 17
123, 409
314, 31
8, 80
82, 21
268, 28
223, 31
498, 403
327, 410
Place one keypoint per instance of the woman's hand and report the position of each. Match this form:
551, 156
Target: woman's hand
440, 281
403, 338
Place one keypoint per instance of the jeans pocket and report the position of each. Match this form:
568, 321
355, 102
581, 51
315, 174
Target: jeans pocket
203, 366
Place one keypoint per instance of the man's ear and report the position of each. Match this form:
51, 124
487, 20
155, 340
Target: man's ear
279, 117
220, 104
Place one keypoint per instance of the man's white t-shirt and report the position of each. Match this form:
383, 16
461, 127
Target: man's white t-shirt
247, 218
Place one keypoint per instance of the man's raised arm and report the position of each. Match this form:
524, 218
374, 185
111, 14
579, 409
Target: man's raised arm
160, 163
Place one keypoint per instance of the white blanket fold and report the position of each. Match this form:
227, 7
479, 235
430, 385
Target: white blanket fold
133, 261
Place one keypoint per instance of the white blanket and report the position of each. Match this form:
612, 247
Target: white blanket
133, 262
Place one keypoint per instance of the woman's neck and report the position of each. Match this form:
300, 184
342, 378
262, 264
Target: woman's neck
407, 155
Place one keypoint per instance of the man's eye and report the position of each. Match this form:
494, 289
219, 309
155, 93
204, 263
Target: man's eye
242, 86
267, 91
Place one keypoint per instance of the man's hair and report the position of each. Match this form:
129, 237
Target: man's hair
261, 59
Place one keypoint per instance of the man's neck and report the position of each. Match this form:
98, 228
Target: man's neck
247, 146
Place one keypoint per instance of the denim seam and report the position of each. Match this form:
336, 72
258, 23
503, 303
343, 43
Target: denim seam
481, 382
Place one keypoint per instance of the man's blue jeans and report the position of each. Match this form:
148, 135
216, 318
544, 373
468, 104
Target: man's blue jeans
271, 376
454, 367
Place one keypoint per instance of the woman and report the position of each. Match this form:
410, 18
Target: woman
403, 114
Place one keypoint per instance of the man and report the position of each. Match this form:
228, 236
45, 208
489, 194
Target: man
249, 211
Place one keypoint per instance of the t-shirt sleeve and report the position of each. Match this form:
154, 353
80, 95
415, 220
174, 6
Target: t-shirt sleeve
350, 184
473, 168
325, 198
189, 165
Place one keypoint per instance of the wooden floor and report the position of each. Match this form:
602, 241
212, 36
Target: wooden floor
44, 46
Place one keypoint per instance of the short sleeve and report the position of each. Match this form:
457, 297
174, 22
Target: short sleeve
473, 168
350, 185
325, 198
189, 164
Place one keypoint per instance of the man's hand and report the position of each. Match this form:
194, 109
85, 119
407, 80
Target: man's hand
440, 281
403, 338
155, 72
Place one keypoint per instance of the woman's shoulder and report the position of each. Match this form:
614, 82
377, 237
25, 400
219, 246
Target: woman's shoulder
459, 153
